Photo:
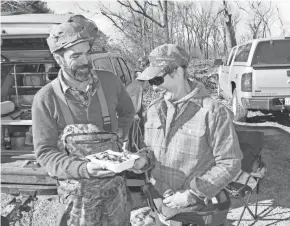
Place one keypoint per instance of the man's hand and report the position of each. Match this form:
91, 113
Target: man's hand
98, 170
180, 199
140, 163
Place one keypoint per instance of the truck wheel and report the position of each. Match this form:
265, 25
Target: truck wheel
240, 113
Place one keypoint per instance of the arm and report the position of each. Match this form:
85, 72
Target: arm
125, 109
145, 153
227, 154
146, 161
45, 136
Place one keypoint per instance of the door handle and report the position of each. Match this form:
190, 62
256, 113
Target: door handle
288, 73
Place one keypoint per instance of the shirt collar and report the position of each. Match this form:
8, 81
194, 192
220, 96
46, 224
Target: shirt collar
66, 87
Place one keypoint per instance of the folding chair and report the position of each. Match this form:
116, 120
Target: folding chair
252, 171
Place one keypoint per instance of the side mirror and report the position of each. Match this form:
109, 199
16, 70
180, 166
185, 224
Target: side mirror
218, 62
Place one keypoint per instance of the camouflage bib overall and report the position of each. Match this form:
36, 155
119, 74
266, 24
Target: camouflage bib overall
91, 202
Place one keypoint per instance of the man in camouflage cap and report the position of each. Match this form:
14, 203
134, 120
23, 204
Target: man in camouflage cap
70, 43
194, 141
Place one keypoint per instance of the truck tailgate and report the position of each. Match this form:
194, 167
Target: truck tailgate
271, 81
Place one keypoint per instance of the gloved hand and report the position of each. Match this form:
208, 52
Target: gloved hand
181, 199
140, 163
98, 170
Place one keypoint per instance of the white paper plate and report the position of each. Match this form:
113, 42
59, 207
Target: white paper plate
115, 167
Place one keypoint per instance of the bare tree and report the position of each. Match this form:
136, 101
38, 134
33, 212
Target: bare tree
25, 6
230, 28
138, 8
281, 21
259, 14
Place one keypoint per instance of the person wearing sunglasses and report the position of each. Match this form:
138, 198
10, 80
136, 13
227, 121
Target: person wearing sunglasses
195, 146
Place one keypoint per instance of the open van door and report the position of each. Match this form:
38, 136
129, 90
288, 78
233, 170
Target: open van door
24, 35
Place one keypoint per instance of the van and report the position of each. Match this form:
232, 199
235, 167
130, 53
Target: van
27, 64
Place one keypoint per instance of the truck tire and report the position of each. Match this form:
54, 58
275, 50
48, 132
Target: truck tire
240, 113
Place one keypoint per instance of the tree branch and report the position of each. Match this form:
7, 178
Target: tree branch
160, 5
143, 12
151, 4
84, 10
117, 26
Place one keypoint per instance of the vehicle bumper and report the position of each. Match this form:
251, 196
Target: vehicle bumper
266, 103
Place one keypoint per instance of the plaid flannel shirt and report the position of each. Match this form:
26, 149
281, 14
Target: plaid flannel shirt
195, 146
84, 98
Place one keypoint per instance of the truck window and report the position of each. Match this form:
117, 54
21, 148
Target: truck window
104, 64
231, 56
125, 70
243, 53
119, 70
272, 52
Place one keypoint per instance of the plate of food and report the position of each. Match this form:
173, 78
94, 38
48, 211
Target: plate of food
114, 161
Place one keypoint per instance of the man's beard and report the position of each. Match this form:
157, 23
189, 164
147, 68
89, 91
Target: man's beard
79, 73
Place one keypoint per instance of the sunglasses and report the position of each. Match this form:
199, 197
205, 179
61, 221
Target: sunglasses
157, 81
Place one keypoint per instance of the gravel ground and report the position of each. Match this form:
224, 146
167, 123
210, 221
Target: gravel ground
274, 198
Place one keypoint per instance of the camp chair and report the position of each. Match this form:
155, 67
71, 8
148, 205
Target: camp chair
253, 170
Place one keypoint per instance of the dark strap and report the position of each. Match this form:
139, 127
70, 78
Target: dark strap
66, 110
62, 102
104, 108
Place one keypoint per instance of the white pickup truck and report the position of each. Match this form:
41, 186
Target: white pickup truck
256, 76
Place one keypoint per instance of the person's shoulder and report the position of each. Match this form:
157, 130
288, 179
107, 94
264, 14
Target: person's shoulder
44, 94
214, 107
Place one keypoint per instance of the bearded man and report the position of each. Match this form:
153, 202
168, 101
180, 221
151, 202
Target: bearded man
108, 202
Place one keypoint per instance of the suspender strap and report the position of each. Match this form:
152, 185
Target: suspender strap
62, 102
66, 110
104, 107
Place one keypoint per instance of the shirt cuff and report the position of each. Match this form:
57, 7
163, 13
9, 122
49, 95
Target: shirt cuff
78, 170
194, 190
149, 154
83, 171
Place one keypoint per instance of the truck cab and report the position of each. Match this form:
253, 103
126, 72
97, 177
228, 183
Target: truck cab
256, 76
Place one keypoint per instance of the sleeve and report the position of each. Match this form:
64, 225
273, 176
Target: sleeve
227, 155
146, 151
45, 137
125, 110
149, 154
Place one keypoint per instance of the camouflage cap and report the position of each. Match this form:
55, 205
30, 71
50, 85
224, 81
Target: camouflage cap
164, 59
66, 35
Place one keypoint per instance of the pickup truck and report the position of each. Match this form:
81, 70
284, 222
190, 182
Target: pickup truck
256, 76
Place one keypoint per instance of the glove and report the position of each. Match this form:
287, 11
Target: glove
181, 199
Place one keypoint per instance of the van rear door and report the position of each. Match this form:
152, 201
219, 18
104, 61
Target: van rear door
23, 36
271, 68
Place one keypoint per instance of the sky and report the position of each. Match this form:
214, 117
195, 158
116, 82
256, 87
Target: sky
65, 6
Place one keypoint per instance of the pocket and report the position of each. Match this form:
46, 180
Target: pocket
192, 141
195, 131
153, 132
